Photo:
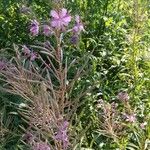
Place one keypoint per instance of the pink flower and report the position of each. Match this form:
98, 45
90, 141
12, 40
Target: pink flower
130, 118
46, 30
78, 26
60, 19
34, 28
62, 135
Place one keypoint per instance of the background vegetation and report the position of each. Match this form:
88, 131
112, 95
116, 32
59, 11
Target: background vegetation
119, 33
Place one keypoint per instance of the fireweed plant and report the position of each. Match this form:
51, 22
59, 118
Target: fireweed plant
49, 79
119, 123
41, 78
125, 123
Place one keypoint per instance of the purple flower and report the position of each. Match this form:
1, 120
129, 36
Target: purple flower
130, 118
60, 19
46, 30
62, 134
2, 65
123, 96
34, 28
41, 146
78, 26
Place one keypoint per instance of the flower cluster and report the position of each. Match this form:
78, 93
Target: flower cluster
34, 82
78, 25
128, 115
62, 135
60, 20
34, 27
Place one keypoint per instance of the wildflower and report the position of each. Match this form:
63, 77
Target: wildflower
60, 18
62, 134
46, 30
34, 28
130, 118
41, 146
78, 26
123, 96
142, 125
2, 65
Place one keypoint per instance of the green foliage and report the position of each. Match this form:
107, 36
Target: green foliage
14, 23
119, 33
